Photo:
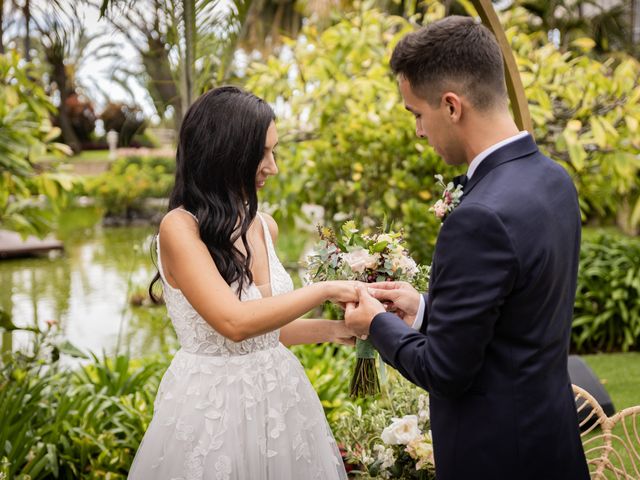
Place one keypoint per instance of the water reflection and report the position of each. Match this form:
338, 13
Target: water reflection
86, 288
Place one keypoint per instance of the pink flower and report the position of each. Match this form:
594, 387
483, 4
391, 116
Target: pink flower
440, 209
51, 323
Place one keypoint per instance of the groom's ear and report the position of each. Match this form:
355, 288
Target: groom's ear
453, 106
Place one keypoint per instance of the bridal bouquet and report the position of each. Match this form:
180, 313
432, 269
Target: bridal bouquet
378, 257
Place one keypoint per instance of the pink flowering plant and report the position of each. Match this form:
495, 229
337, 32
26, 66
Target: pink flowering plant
449, 200
375, 257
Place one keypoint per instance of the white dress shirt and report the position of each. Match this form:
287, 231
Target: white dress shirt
470, 171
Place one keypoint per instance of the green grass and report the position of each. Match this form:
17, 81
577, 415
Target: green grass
620, 375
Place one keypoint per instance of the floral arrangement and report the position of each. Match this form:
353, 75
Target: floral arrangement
377, 257
451, 196
390, 438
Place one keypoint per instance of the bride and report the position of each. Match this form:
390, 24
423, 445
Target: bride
235, 403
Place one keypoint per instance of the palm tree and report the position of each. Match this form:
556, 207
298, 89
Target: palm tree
65, 44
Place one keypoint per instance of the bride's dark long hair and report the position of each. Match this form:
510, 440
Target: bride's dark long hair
221, 145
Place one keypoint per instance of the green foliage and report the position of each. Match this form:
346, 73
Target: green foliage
130, 181
587, 117
347, 142
26, 132
359, 428
84, 423
607, 308
349, 145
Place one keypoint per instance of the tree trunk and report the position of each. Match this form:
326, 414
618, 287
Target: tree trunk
189, 13
68, 133
1, 26
26, 10
162, 86
635, 23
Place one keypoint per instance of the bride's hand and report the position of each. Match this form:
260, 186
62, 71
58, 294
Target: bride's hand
341, 291
342, 335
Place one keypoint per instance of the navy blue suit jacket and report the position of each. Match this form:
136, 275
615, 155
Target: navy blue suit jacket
493, 346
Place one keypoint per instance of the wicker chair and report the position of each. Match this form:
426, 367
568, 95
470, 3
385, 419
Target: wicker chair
610, 454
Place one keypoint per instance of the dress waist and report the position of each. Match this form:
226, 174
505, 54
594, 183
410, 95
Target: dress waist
226, 353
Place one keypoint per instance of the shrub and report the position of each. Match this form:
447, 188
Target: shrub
125, 119
348, 144
84, 423
123, 189
607, 308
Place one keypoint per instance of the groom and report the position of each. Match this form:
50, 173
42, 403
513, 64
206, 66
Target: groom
490, 339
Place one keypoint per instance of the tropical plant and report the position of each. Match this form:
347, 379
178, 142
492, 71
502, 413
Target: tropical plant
185, 46
121, 191
606, 23
586, 115
607, 307
26, 132
83, 423
348, 145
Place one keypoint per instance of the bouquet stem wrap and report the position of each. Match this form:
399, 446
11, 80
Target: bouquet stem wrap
364, 381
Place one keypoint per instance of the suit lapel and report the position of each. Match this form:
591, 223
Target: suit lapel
512, 151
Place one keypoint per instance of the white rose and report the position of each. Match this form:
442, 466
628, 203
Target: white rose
384, 237
359, 259
401, 431
408, 265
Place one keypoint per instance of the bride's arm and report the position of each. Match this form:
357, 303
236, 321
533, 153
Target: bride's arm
188, 266
315, 330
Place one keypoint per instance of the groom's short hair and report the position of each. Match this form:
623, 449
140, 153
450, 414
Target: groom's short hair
457, 54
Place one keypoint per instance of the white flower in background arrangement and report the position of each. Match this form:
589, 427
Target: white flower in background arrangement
359, 259
401, 431
385, 456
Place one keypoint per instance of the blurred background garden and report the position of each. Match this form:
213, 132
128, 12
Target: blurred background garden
82, 348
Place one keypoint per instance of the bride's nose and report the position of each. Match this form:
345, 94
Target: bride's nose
269, 166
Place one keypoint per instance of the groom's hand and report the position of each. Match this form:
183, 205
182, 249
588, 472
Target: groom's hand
405, 300
358, 317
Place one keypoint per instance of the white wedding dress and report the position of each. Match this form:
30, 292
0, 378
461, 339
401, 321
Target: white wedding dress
235, 410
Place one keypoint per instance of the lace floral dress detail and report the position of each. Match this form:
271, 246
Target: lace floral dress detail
235, 410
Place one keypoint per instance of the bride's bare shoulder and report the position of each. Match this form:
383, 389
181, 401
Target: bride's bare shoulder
178, 222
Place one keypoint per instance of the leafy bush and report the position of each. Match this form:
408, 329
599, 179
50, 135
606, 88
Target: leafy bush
26, 132
607, 308
122, 190
125, 119
349, 145
84, 423
347, 142
586, 115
